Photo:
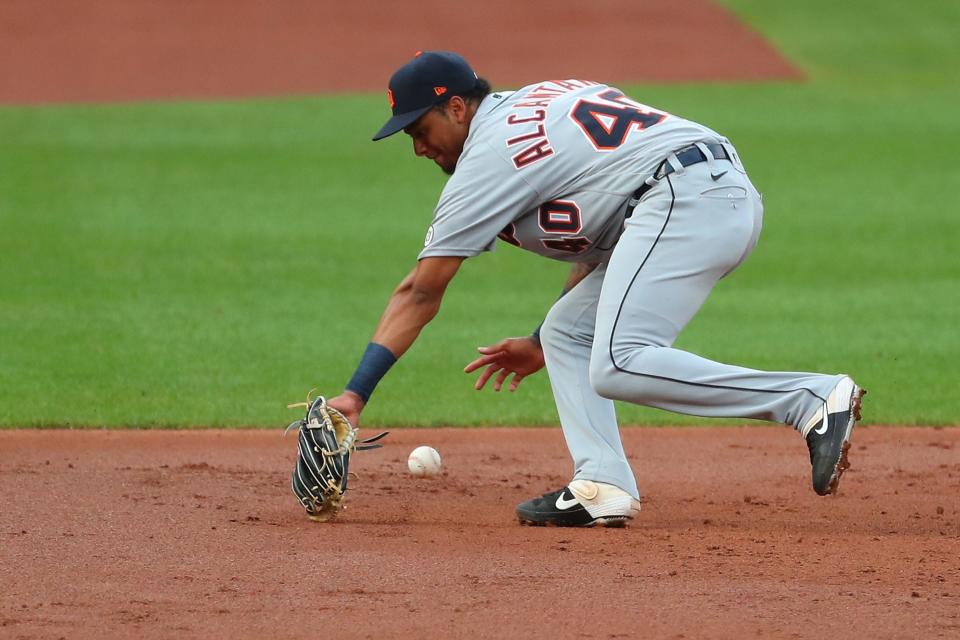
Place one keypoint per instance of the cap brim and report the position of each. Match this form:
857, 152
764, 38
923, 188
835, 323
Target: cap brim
398, 122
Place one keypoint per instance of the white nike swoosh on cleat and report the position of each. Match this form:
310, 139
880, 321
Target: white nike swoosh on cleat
563, 504
822, 430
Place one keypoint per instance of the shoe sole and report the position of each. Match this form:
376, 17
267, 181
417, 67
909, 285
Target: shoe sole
856, 401
610, 522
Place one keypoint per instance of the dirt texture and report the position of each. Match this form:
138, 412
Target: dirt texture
110, 50
158, 534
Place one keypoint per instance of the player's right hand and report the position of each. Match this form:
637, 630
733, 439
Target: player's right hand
519, 356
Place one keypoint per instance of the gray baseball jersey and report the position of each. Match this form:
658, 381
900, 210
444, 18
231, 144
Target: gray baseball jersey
549, 168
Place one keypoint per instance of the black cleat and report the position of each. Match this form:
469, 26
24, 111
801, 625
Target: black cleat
583, 503
829, 439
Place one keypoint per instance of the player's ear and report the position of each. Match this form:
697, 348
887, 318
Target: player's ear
457, 108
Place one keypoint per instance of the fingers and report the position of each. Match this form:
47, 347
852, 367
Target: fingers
498, 346
502, 376
500, 360
498, 383
482, 380
473, 365
482, 361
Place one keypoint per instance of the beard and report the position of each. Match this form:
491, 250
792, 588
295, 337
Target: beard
448, 169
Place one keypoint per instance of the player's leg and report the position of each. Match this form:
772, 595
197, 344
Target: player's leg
589, 421
686, 234
604, 490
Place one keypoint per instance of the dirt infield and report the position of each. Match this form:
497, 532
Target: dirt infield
108, 50
195, 535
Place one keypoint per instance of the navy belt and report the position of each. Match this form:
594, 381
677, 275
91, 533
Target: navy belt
687, 156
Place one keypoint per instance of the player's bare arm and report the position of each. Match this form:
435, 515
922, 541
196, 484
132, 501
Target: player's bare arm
519, 356
414, 303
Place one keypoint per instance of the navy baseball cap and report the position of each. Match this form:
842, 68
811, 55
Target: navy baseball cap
429, 79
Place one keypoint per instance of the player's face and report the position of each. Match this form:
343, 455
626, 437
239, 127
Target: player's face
440, 134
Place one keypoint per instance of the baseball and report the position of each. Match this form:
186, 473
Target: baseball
424, 461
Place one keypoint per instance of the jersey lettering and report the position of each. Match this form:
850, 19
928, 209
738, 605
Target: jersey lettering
607, 125
538, 99
540, 132
560, 216
539, 116
539, 147
535, 103
509, 234
542, 95
578, 244
533, 153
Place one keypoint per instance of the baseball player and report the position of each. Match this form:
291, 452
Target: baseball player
651, 210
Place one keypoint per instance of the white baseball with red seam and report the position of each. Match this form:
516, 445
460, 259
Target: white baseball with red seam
424, 461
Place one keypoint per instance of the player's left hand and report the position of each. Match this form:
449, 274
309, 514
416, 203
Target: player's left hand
520, 356
350, 405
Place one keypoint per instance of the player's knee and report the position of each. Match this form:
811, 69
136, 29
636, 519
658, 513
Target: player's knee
604, 378
554, 333
614, 381
548, 336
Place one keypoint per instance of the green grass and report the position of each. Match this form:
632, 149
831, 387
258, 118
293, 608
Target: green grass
202, 264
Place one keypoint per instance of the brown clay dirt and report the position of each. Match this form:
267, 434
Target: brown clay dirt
108, 50
158, 534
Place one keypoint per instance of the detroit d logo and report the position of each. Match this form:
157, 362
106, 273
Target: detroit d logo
429, 238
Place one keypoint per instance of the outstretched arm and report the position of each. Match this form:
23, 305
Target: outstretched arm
414, 303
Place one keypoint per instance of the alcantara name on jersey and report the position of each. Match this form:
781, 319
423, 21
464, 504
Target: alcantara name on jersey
533, 111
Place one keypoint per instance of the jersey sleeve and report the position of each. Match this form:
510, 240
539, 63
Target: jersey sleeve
483, 196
